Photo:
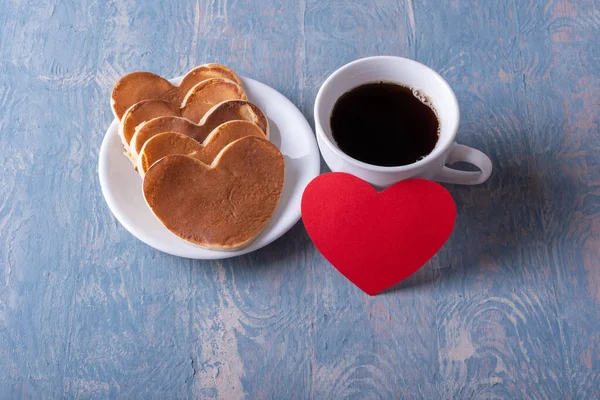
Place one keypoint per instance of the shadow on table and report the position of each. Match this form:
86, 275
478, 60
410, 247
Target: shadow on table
290, 249
525, 201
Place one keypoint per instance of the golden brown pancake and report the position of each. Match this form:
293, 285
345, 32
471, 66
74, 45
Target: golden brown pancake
203, 96
143, 111
138, 86
222, 206
199, 100
230, 110
168, 143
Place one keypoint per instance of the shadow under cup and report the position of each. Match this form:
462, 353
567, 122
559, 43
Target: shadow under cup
407, 73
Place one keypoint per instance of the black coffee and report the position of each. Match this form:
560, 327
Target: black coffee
384, 124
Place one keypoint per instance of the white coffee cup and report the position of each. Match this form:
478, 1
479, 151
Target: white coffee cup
417, 76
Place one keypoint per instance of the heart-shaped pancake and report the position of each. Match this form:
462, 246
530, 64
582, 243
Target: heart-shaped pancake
138, 86
168, 143
221, 206
198, 101
230, 110
208, 93
141, 112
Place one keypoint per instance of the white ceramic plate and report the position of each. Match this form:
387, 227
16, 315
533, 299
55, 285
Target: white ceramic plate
289, 131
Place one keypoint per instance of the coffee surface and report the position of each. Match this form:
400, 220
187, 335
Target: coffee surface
385, 124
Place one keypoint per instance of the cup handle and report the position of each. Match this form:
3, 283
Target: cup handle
466, 154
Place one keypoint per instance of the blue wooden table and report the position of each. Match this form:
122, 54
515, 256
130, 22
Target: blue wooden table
509, 308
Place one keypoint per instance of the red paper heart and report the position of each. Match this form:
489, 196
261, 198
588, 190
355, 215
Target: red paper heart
376, 239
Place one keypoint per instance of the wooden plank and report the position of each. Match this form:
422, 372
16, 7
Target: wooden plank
382, 347
509, 308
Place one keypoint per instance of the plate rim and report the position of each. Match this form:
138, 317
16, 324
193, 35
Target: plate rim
313, 170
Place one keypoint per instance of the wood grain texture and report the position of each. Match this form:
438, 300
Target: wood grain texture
509, 308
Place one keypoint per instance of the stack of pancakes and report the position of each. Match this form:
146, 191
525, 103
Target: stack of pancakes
210, 174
